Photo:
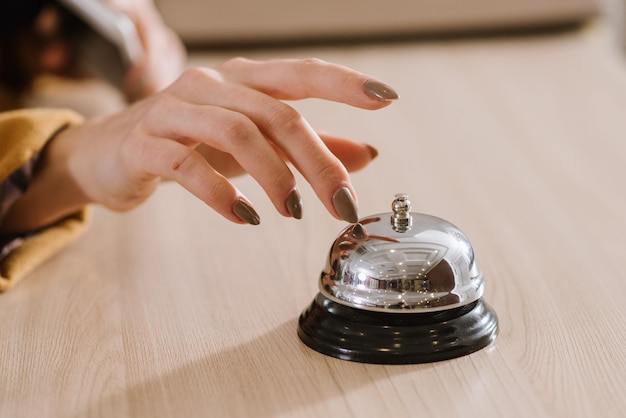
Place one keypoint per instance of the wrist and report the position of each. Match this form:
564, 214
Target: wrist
53, 193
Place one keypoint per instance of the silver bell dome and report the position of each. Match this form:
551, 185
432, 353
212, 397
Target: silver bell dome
402, 262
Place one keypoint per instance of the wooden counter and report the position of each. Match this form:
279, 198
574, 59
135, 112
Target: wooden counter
172, 311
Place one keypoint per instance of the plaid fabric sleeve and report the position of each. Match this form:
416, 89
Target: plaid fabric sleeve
10, 190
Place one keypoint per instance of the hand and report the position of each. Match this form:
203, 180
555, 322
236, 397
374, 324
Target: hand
164, 54
236, 114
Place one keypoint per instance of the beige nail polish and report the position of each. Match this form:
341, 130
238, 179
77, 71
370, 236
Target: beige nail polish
294, 204
379, 91
245, 212
345, 206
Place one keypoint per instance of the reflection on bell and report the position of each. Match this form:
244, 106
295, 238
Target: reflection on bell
399, 288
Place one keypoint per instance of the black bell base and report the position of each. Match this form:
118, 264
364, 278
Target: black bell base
394, 338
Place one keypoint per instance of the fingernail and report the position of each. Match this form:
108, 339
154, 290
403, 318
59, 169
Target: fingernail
294, 204
373, 151
358, 231
246, 213
345, 206
379, 91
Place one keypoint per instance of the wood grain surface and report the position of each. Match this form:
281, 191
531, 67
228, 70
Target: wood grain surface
170, 310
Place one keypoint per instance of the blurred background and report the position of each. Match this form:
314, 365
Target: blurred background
214, 31
246, 22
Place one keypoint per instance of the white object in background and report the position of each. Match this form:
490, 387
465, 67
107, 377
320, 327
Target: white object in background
112, 24
254, 21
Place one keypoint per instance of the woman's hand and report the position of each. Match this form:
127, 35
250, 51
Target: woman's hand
212, 123
164, 53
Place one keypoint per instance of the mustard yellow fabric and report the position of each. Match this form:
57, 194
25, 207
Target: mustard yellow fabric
23, 133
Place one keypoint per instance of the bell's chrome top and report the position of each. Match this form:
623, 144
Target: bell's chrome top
402, 262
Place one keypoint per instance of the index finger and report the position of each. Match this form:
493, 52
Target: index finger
294, 79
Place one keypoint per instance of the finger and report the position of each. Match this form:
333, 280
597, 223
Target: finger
354, 155
223, 162
171, 160
294, 79
230, 132
137, 84
286, 128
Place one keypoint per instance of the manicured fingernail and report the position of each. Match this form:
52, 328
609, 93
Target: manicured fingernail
358, 231
373, 151
345, 206
246, 213
379, 91
294, 204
